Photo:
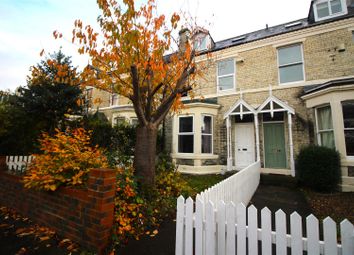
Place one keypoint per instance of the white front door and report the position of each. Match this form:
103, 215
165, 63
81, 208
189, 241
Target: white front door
244, 145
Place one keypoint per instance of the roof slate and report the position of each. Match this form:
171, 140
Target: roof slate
277, 30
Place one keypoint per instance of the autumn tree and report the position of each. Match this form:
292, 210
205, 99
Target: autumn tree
136, 55
52, 91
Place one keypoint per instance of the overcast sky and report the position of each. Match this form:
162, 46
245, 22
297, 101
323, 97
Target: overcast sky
26, 26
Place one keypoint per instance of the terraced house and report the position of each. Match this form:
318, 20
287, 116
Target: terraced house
265, 95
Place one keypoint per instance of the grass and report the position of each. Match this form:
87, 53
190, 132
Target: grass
201, 182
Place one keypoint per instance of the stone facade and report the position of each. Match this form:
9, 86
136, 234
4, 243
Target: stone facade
257, 77
327, 52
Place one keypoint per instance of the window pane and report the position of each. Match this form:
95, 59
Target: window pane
185, 143
349, 142
226, 67
324, 118
322, 10
200, 43
291, 73
226, 83
336, 6
186, 124
327, 139
288, 55
206, 144
348, 114
134, 122
206, 128
119, 121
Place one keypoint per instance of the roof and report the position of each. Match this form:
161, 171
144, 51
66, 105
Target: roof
278, 30
333, 83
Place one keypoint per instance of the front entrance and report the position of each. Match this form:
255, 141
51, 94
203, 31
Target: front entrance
274, 145
244, 145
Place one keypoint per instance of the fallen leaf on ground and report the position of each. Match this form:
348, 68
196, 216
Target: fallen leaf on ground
22, 251
44, 238
26, 233
20, 230
71, 247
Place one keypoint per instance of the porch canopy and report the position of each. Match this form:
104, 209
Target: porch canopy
271, 105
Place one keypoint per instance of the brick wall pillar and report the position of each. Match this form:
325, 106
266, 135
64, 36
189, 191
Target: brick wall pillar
101, 193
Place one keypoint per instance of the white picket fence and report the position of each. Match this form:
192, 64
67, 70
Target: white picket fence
238, 188
228, 229
18, 164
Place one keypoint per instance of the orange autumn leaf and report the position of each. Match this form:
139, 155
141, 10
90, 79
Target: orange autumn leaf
66, 160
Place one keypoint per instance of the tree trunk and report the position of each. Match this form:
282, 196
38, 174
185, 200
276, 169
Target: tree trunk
144, 158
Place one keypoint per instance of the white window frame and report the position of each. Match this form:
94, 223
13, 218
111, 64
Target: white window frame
186, 133
226, 75
331, 15
205, 134
132, 119
344, 129
318, 132
111, 99
290, 64
115, 120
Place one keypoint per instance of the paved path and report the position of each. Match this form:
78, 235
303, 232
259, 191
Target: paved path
286, 198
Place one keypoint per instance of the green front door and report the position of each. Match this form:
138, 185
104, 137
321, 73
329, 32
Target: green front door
274, 145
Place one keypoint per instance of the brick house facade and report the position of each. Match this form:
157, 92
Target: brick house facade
266, 94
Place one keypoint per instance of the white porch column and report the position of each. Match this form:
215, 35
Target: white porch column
292, 165
258, 156
228, 143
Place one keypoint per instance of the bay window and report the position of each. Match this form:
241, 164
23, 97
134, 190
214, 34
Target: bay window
325, 135
207, 134
348, 119
185, 134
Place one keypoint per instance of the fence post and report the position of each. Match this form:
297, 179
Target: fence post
179, 226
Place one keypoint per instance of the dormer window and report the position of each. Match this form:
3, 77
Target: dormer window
202, 39
325, 9
200, 43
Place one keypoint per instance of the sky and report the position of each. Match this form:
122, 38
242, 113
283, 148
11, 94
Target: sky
26, 26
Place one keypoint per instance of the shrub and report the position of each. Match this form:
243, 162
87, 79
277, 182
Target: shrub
102, 131
66, 160
130, 212
136, 215
169, 186
318, 168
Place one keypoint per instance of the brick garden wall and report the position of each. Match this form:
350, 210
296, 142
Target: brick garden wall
83, 215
